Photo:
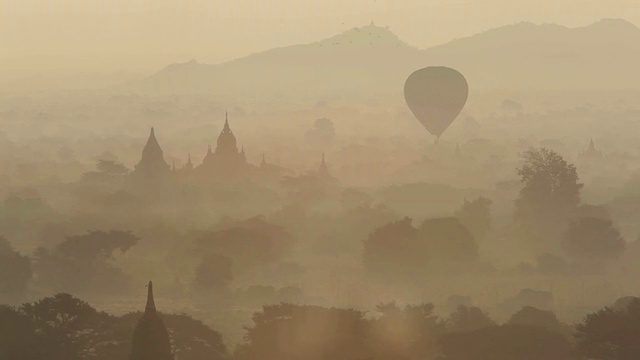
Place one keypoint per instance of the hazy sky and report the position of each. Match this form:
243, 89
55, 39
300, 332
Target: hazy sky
145, 35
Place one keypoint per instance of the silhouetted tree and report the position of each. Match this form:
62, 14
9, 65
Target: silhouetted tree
18, 340
610, 334
475, 215
83, 262
66, 327
322, 133
530, 316
391, 249
15, 270
593, 239
409, 333
447, 239
249, 242
506, 342
398, 248
111, 167
468, 318
295, 332
549, 196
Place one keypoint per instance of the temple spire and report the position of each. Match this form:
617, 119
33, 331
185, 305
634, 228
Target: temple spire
323, 170
189, 164
150, 308
226, 128
264, 162
592, 146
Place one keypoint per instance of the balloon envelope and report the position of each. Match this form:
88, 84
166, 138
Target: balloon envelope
436, 95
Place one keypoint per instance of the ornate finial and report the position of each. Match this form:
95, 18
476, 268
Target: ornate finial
151, 305
226, 127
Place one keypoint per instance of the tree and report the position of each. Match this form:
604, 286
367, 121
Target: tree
610, 334
83, 262
297, 332
468, 318
593, 239
549, 183
98, 244
411, 332
549, 196
447, 239
18, 339
66, 327
249, 242
111, 167
399, 249
15, 270
475, 215
531, 316
322, 133
506, 342
391, 249
214, 272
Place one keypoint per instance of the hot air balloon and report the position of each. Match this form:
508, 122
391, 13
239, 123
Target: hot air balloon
436, 95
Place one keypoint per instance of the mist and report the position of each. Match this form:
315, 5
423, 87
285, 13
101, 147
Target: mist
291, 180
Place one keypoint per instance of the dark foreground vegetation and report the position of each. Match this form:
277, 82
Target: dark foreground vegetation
64, 327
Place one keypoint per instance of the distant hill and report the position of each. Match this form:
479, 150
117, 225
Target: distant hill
602, 56
371, 60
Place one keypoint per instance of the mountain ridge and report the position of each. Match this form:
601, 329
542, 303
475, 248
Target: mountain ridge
372, 59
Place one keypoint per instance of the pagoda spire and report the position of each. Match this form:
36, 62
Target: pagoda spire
264, 162
226, 127
150, 308
323, 170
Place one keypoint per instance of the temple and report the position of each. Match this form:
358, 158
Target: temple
226, 163
591, 154
150, 338
152, 163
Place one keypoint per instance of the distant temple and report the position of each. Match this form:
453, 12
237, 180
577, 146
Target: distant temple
150, 337
226, 162
591, 153
225, 165
152, 164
